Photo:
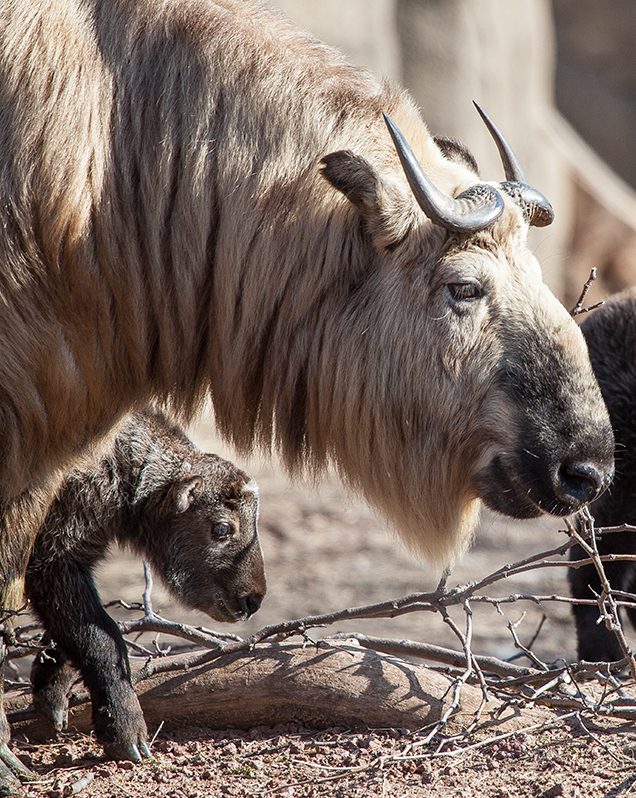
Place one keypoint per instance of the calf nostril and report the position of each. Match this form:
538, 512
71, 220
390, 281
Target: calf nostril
250, 603
580, 481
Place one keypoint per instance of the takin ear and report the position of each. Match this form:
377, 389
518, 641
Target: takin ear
386, 210
454, 150
182, 494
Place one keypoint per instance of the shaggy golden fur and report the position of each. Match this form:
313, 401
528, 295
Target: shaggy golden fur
168, 231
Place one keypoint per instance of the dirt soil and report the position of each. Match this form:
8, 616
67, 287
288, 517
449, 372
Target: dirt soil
326, 550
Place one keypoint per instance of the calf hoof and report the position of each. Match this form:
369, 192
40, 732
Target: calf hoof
122, 730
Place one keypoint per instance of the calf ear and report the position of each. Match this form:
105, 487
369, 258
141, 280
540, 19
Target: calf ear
183, 493
387, 212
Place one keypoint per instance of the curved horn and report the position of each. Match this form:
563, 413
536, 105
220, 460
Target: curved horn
473, 210
537, 209
512, 167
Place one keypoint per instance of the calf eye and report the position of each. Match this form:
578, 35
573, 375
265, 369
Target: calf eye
222, 531
464, 292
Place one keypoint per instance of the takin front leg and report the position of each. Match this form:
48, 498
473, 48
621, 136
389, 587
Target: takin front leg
20, 520
64, 596
595, 642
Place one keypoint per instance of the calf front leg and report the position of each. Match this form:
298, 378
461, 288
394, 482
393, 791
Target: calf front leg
64, 596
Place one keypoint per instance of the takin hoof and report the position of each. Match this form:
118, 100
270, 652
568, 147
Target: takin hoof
134, 752
122, 731
12, 772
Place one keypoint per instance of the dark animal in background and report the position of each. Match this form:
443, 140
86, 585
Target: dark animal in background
197, 200
192, 515
610, 333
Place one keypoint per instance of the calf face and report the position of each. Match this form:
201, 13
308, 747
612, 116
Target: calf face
193, 515
209, 554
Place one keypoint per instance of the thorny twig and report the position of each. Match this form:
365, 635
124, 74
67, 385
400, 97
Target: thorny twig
557, 686
578, 308
607, 604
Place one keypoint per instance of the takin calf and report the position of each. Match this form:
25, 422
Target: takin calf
191, 514
611, 338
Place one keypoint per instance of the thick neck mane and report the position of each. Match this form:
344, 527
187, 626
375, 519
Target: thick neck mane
168, 235
171, 229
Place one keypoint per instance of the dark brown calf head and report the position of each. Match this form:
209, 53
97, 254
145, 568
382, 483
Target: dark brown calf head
204, 540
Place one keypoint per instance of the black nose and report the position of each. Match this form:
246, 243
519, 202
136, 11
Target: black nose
250, 603
579, 482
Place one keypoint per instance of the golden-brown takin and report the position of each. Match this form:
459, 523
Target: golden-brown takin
198, 199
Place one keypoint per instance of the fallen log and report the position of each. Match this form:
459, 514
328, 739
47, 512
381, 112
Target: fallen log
320, 685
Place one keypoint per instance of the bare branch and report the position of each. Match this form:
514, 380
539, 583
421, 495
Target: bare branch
584, 689
578, 307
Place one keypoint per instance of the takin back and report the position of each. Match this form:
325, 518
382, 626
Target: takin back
193, 515
198, 200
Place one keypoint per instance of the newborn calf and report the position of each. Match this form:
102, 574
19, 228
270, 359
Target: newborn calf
610, 332
191, 514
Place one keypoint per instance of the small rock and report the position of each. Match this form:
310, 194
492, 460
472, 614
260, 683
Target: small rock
630, 749
449, 770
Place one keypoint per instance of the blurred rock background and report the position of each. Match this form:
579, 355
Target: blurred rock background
558, 77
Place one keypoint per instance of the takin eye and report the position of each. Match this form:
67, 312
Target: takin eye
464, 292
222, 531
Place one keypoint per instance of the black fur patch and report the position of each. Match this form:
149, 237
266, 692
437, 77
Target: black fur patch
454, 150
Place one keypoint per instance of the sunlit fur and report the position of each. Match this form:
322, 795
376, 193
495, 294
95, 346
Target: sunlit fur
167, 231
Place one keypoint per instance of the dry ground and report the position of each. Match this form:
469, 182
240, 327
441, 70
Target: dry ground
326, 550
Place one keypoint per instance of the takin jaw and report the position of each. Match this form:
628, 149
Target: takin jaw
558, 451
507, 412
459, 395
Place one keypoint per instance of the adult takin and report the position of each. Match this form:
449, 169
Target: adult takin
197, 199
610, 332
192, 515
